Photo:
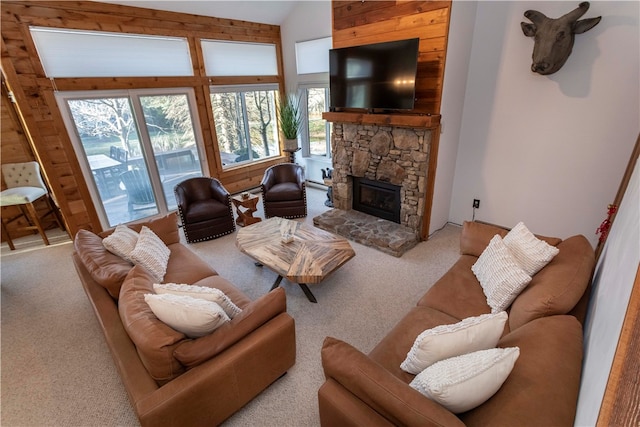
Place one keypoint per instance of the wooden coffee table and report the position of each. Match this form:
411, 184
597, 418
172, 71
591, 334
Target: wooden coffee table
308, 259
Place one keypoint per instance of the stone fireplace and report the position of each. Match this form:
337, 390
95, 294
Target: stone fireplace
383, 154
394, 155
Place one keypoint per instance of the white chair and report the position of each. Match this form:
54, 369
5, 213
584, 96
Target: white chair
25, 187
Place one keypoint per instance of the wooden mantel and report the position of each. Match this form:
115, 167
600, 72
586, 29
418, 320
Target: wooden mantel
429, 121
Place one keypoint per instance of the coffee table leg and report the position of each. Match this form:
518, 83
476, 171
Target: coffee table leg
307, 292
276, 283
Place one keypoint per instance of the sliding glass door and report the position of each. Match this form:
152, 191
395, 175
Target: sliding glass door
133, 148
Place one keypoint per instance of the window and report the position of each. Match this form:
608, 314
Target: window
75, 53
246, 124
133, 148
316, 135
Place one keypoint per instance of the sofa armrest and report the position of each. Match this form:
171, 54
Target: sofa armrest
381, 390
194, 352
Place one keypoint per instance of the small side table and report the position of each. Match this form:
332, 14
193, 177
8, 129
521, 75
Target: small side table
250, 204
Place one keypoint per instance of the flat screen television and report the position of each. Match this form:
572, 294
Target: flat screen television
379, 76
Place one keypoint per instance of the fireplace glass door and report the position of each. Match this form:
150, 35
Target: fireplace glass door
377, 198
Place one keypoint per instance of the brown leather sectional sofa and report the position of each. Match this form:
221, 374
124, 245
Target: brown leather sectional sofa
545, 322
173, 380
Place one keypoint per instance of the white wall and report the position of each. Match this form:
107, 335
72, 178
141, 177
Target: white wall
309, 20
612, 286
463, 15
546, 150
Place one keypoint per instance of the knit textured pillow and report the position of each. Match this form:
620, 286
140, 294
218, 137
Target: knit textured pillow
121, 242
203, 292
464, 382
151, 253
445, 341
500, 275
194, 317
531, 253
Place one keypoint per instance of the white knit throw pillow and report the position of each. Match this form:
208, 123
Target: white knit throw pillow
500, 275
464, 382
531, 253
121, 242
194, 317
151, 253
445, 341
203, 292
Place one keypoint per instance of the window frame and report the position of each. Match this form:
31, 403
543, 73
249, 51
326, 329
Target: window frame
244, 89
304, 134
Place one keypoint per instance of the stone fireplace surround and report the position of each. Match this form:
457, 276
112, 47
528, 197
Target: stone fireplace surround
395, 154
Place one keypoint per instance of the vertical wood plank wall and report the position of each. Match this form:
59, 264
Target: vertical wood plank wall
34, 92
358, 23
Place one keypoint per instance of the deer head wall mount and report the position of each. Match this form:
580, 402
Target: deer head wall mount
553, 38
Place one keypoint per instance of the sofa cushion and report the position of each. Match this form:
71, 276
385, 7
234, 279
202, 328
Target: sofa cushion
475, 237
194, 352
558, 287
106, 268
393, 348
445, 341
186, 267
542, 389
121, 242
458, 292
154, 340
194, 317
202, 292
464, 382
500, 275
151, 252
530, 252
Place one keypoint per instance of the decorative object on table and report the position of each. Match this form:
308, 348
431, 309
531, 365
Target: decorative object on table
327, 178
290, 122
24, 188
554, 37
284, 192
249, 202
205, 209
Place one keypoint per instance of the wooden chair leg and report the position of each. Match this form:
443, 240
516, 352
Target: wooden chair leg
6, 234
36, 221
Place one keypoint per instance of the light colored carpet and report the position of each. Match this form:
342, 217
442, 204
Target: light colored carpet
57, 369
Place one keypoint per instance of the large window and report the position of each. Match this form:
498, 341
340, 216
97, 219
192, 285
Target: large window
316, 135
246, 124
133, 148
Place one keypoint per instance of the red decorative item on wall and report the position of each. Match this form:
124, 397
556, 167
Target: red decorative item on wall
603, 230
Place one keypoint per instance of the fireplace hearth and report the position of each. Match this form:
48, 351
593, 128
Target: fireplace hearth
377, 198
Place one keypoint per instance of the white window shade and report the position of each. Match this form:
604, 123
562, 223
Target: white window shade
313, 56
70, 53
239, 58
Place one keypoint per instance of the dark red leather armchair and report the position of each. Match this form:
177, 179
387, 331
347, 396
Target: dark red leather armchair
283, 191
205, 209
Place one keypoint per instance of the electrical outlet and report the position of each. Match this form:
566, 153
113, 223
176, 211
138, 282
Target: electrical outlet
476, 203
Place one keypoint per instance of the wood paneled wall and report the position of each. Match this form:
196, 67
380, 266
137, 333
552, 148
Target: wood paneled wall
34, 92
365, 22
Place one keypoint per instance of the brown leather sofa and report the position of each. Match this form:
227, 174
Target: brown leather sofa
283, 191
173, 380
205, 209
545, 322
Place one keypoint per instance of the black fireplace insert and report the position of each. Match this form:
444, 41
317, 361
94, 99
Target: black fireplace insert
377, 198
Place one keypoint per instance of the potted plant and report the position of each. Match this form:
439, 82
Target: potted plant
290, 122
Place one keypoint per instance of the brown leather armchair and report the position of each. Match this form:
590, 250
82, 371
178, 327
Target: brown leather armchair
205, 209
283, 191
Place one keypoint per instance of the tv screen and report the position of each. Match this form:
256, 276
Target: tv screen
375, 76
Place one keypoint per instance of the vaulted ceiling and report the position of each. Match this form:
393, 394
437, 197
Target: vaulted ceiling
265, 11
